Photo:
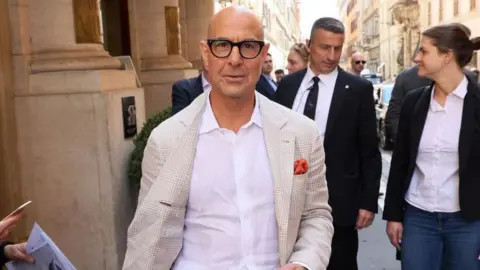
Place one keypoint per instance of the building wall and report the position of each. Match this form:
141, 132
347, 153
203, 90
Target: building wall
370, 38
434, 12
354, 22
342, 7
389, 39
282, 26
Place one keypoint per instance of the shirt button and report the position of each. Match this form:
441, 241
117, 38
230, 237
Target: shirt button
178, 214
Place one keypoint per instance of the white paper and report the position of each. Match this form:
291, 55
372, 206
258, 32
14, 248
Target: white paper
47, 255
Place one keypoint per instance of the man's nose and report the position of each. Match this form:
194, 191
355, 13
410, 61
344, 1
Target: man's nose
235, 56
331, 54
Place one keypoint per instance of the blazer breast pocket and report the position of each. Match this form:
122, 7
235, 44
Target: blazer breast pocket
299, 183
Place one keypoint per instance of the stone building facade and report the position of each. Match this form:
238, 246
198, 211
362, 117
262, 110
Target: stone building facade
66, 79
390, 33
434, 12
370, 38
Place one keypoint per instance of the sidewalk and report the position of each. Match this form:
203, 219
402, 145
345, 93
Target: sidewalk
375, 251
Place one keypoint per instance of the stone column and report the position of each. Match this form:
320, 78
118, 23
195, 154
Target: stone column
70, 142
157, 34
198, 15
156, 49
87, 21
53, 39
10, 187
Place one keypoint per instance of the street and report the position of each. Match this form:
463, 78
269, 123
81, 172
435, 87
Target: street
375, 251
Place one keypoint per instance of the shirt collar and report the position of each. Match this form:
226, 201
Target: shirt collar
205, 82
328, 80
209, 122
459, 92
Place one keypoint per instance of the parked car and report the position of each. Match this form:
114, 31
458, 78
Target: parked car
384, 93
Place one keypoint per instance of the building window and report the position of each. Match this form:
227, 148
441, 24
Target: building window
353, 25
440, 10
455, 7
473, 4
429, 13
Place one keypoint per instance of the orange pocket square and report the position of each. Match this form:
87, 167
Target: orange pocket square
300, 167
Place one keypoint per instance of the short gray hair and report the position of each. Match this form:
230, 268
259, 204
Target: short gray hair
328, 24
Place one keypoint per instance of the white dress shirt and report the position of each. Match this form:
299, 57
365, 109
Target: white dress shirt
230, 220
270, 80
205, 83
325, 94
435, 180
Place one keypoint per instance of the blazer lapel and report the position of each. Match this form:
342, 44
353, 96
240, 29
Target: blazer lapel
469, 123
418, 118
336, 103
180, 160
281, 149
294, 86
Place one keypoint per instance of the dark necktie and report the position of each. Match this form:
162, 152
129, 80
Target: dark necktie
311, 104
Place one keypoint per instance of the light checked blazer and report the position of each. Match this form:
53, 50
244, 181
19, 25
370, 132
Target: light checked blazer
303, 215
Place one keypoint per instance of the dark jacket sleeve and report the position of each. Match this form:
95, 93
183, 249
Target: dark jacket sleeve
394, 199
395, 104
370, 157
179, 98
3, 259
279, 94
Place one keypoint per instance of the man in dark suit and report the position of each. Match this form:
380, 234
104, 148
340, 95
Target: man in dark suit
187, 90
405, 82
266, 85
343, 108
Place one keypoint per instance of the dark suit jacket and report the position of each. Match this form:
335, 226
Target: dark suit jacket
352, 156
185, 91
405, 82
264, 87
410, 128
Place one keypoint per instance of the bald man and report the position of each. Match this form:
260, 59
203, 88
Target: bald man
233, 181
357, 63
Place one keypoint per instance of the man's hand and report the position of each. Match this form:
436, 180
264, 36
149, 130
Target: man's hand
394, 232
18, 252
8, 223
364, 219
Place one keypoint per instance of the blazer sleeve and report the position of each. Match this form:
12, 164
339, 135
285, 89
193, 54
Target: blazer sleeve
394, 106
394, 199
370, 157
313, 246
180, 98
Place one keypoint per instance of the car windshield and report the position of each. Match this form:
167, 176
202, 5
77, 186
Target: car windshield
387, 93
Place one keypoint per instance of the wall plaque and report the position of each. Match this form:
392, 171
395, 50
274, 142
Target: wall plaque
129, 112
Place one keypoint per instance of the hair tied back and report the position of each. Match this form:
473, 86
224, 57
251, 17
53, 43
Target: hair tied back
475, 43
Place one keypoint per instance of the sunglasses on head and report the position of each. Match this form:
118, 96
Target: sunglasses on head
360, 62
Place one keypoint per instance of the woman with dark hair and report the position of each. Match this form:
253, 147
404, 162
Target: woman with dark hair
432, 203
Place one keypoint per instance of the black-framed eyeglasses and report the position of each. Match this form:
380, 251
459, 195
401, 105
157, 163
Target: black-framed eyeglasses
360, 62
222, 48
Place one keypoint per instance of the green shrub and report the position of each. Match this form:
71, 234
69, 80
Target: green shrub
140, 141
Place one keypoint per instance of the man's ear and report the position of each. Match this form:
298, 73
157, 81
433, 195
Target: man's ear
204, 50
266, 48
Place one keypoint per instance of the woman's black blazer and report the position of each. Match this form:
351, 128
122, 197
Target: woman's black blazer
412, 120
